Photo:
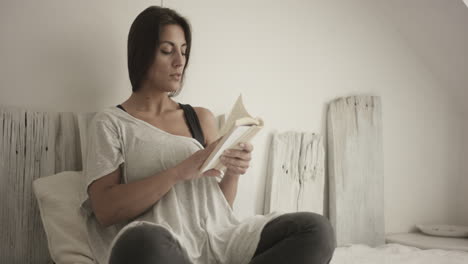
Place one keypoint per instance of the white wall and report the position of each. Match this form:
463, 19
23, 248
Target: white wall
463, 181
288, 59
436, 32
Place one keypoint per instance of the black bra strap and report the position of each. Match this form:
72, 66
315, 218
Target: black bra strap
193, 123
121, 107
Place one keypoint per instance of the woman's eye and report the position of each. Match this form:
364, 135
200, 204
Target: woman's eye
170, 52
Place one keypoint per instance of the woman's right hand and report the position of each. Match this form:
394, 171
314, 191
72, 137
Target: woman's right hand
190, 167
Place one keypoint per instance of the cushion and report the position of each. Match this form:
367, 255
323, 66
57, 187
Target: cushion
59, 199
444, 230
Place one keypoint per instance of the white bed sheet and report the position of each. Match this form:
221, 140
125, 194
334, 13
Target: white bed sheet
396, 254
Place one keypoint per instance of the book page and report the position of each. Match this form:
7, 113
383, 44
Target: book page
238, 111
236, 134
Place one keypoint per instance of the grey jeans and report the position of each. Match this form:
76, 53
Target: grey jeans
296, 238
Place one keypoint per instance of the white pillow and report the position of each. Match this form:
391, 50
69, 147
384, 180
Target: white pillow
444, 230
59, 199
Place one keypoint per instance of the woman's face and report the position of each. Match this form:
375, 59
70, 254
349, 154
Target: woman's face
169, 63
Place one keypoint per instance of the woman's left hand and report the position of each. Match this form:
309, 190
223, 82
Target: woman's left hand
237, 161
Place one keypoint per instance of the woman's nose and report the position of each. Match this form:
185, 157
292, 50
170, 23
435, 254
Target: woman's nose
179, 60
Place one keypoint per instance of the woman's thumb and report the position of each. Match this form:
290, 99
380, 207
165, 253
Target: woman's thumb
213, 145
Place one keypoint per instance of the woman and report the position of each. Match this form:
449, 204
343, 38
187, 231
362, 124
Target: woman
147, 201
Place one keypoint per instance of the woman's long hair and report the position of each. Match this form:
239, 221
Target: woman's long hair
143, 39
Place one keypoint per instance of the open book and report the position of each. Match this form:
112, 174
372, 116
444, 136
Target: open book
239, 127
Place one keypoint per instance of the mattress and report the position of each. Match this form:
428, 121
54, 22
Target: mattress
396, 254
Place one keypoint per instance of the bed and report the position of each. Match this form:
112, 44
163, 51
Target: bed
396, 254
45, 149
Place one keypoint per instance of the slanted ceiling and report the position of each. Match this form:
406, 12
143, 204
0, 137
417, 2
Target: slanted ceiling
437, 31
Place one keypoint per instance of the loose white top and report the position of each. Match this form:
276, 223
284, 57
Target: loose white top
194, 211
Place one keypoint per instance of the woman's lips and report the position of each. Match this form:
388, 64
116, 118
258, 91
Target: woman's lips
176, 76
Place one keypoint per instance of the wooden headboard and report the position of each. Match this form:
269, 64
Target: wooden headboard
32, 145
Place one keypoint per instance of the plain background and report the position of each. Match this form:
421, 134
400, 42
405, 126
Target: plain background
288, 59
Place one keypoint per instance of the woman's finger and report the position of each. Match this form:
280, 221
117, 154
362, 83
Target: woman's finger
237, 170
240, 154
213, 144
246, 146
212, 173
204, 153
234, 162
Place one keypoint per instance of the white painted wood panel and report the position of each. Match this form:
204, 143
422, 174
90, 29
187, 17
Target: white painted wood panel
295, 180
355, 165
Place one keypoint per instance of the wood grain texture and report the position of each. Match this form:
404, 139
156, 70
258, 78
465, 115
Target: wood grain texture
33, 145
295, 180
312, 174
355, 166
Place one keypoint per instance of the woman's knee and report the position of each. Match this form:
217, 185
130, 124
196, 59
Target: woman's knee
318, 226
146, 235
146, 243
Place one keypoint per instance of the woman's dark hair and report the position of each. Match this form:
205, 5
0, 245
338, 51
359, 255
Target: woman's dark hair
143, 39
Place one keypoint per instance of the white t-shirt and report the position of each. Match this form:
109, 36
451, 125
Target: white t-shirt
194, 211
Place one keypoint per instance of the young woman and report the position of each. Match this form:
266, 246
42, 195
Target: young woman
147, 201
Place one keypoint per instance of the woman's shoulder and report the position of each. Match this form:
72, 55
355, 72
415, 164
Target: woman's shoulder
109, 116
106, 114
208, 123
203, 113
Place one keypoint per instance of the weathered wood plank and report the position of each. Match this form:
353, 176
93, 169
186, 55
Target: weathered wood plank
295, 180
355, 166
33, 145
312, 174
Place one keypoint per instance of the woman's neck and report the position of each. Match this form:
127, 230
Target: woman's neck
154, 103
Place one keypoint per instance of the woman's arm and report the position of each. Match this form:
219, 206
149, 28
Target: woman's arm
113, 202
228, 186
237, 163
